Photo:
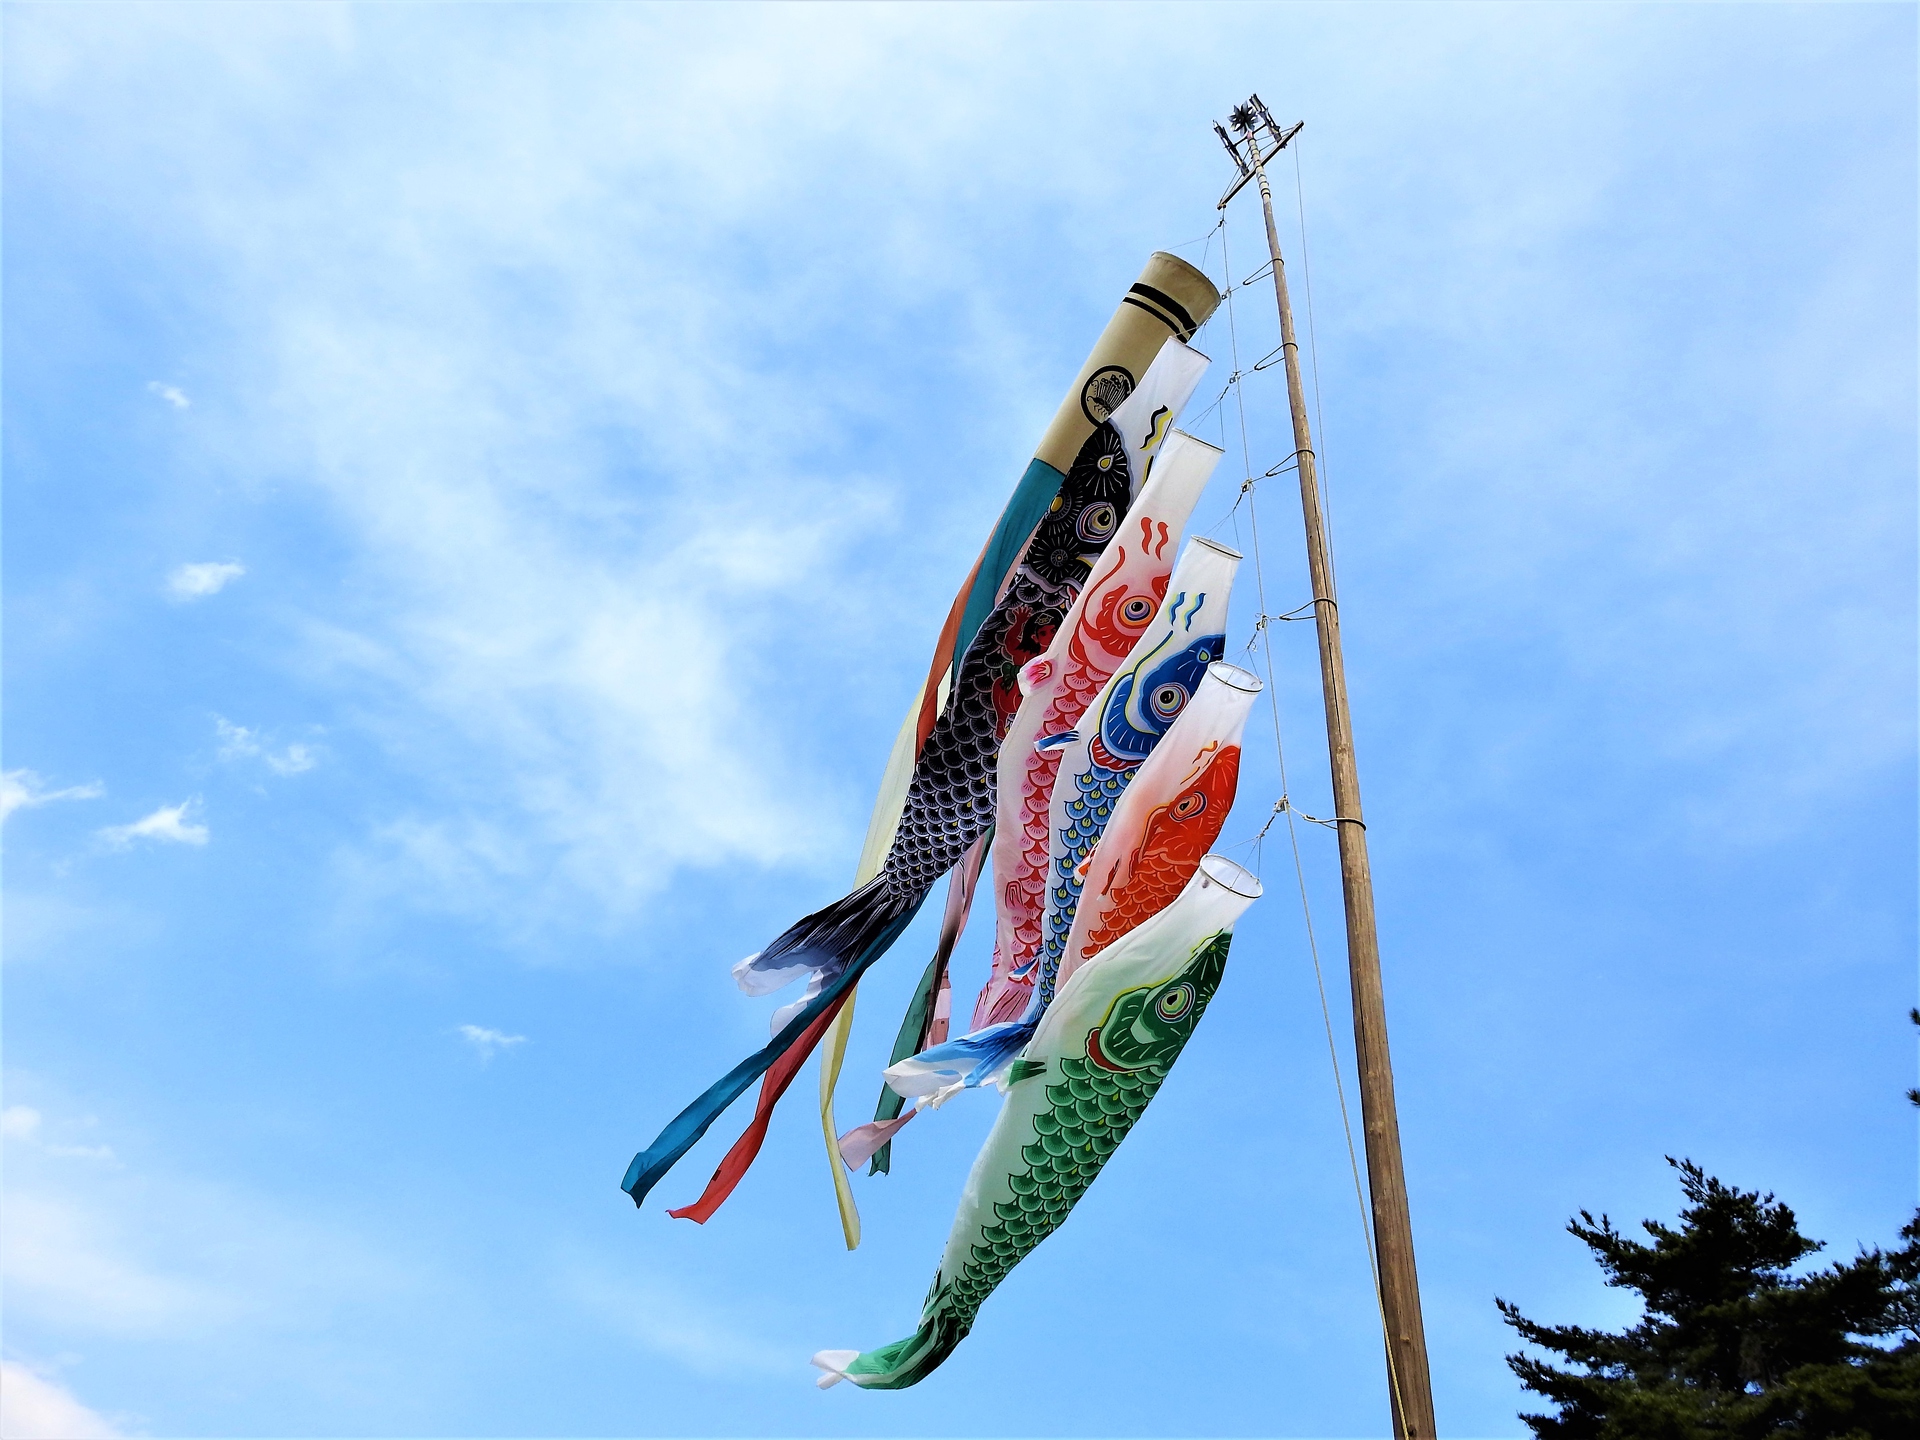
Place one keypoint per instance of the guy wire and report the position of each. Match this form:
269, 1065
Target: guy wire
1293, 833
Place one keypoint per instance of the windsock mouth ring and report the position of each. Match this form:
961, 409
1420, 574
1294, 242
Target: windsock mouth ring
1226, 550
1231, 876
1229, 674
1190, 436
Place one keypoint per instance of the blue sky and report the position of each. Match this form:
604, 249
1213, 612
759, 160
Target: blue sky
482, 484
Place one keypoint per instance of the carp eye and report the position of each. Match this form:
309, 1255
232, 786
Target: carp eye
1137, 611
1175, 1003
1096, 521
1167, 701
1189, 805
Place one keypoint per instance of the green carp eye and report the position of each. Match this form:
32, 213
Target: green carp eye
1175, 1003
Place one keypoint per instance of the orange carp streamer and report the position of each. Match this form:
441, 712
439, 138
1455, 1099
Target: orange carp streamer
1167, 819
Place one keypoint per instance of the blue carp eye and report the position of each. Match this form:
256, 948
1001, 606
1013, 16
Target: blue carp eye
1168, 700
1175, 1003
1096, 522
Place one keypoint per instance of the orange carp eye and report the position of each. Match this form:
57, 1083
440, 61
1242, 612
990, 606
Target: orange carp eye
1137, 611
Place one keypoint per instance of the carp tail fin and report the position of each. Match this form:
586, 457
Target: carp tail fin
896, 1366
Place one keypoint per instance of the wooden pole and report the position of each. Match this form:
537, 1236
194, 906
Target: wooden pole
1410, 1386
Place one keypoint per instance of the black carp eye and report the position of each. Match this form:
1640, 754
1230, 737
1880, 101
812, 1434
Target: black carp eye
1175, 1003
1167, 701
1096, 522
1189, 805
1137, 611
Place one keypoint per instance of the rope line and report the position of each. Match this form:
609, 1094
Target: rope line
1284, 805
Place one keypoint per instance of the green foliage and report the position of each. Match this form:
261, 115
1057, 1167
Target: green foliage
1731, 1344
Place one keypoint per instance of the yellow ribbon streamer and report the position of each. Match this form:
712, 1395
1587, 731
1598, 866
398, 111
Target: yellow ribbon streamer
887, 810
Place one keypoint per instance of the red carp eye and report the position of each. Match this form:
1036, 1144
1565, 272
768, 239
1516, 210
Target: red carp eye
1137, 611
1189, 805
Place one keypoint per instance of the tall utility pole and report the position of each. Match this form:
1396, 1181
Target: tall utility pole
1409, 1386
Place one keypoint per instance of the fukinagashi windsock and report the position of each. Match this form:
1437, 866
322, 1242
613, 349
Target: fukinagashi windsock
1168, 818
1096, 1060
950, 800
1112, 613
1099, 758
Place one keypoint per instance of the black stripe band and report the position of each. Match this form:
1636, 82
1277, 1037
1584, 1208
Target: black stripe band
1166, 302
1142, 305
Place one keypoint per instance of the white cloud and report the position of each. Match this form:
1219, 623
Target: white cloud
168, 823
691, 1330
487, 1042
172, 394
293, 760
140, 1252
33, 1407
64, 1259
237, 742
22, 1122
202, 578
22, 790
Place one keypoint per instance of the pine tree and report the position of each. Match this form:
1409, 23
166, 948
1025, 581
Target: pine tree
1731, 1344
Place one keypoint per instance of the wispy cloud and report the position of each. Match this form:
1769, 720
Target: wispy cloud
172, 394
22, 1122
690, 1330
35, 1407
202, 578
22, 790
161, 1254
168, 823
489, 1042
237, 742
